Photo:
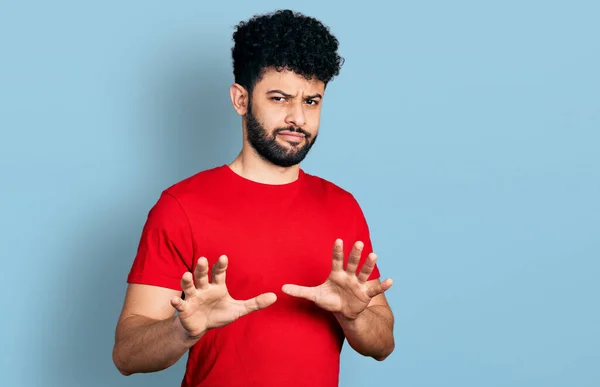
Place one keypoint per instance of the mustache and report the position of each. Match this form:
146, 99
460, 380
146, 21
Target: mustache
293, 129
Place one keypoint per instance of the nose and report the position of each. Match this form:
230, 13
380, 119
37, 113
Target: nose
296, 116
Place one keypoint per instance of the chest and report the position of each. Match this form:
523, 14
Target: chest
269, 247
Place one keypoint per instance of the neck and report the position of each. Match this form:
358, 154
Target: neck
252, 167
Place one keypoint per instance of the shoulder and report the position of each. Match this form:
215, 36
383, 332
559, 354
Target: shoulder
171, 203
188, 194
330, 191
202, 183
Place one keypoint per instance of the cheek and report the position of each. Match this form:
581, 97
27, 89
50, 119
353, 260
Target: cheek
271, 125
312, 120
273, 119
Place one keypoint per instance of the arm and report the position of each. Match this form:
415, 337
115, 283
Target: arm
358, 304
149, 337
372, 332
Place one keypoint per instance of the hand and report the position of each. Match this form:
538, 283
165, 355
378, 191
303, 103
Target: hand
345, 293
209, 305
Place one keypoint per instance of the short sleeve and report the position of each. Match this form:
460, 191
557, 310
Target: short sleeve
363, 234
165, 249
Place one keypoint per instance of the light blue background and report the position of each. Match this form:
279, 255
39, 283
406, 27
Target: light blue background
468, 130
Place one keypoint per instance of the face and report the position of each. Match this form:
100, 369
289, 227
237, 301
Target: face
282, 120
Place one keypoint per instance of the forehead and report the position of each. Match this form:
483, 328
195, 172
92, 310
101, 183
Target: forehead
288, 81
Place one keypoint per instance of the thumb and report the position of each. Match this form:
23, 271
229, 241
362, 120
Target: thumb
309, 293
379, 288
259, 302
179, 304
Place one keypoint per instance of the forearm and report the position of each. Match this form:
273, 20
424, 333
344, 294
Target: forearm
146, 345
371, 333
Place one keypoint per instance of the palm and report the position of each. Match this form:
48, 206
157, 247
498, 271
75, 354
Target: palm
209, 305
210, 308
345, 291
341, 294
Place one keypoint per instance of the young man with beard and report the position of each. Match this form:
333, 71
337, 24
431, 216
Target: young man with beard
258, 268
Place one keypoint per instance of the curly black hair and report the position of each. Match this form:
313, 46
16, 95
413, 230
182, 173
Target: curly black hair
284, 39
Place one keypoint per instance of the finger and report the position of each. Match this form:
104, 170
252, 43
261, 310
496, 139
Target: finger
379, 288
354, 257
179, 304
201, 273
309, 293
187, 285
257, 303
219, 269
338, 255
367, 268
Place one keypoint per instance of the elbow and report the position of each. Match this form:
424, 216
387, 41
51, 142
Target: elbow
386, 353
124, 372
381, 357
119, 363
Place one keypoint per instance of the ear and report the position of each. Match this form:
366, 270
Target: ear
239, 98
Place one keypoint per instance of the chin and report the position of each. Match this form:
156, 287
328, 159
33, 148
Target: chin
290, 145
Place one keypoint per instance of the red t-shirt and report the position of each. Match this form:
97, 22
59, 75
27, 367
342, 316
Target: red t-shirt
272, 235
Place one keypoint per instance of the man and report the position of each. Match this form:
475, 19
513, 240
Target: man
257, 268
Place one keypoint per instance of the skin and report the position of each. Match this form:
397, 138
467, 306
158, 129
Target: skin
277, 110
149, 337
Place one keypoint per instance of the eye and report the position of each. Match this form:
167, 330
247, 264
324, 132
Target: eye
278, 99
312, 102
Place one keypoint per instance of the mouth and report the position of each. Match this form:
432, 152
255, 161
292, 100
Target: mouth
291, 136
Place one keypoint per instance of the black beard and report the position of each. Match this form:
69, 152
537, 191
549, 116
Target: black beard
267, 147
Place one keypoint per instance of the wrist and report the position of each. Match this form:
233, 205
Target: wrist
183, 335
346, 322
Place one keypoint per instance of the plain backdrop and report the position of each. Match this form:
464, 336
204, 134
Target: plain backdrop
467, 130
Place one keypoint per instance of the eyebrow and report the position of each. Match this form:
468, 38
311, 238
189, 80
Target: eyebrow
317, 95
